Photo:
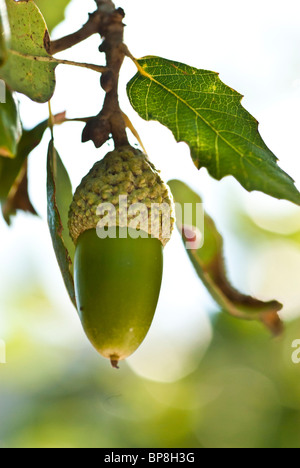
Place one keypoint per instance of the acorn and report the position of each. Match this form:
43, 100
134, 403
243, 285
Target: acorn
120, 219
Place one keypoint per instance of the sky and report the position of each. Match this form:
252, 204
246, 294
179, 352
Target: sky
255, 48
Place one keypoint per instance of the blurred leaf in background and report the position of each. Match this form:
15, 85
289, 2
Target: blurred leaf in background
53, 12
209, 263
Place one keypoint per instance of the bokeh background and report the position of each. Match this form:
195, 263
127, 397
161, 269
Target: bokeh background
201, 378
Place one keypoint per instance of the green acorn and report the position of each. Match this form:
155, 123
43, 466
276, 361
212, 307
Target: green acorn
119, 221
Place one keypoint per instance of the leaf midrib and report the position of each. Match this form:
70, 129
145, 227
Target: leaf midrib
152, 79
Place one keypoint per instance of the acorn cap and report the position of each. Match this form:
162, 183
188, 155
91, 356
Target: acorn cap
123, 172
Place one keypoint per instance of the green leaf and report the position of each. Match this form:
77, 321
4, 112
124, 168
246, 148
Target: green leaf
27, 69
53, 11
208, 261
10, 126
59, 195
206, 114
4, 32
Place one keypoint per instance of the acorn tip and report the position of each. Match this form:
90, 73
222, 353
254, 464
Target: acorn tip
114, 363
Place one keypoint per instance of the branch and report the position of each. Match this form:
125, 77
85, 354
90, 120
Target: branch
110, 120
108, 22
106, 6
87, 30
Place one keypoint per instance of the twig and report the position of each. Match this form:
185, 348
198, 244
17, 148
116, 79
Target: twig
106, 6
108, 22
51, 120
87, 30
48, 59
79, 119
110, 119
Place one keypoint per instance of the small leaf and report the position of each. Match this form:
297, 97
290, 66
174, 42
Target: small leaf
10, 126
209, 264
206, 114
53, 11
59, 195
4, 32
11, 170
18, 198
22, 71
